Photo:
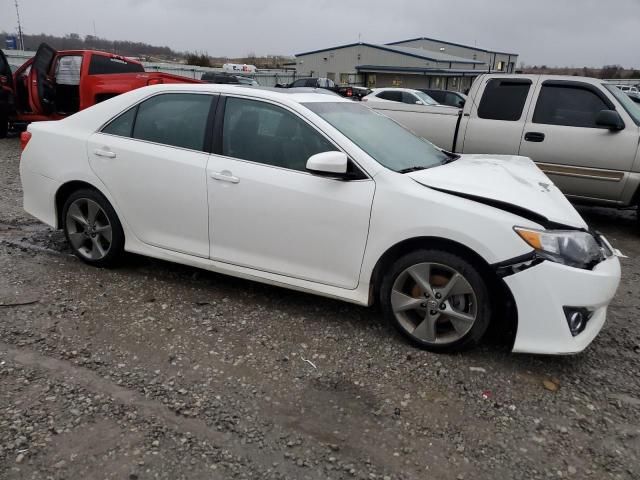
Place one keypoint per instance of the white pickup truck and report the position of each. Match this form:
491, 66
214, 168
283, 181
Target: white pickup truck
582, 132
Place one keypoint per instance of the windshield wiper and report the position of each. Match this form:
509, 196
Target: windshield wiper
452, 157
411, 169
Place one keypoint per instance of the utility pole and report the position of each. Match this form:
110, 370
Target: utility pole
20, 37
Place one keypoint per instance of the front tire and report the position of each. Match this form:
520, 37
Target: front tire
92, 228
437, 299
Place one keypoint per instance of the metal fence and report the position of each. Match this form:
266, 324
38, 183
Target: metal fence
267, 78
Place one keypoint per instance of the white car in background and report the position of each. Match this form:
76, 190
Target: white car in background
401, 95
321, 194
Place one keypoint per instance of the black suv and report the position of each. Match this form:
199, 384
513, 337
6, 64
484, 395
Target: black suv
446, 97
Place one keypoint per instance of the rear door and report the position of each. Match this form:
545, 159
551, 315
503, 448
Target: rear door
496, 122
562, 137
41, 86
152, 159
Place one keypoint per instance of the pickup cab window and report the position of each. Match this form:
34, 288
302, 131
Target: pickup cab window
104, 65
568, 106
504, 99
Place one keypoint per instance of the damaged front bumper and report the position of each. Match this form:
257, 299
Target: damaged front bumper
546, 293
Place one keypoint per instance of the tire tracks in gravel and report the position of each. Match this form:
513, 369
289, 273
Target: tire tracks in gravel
149, 409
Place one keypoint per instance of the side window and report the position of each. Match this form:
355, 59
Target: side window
122, 125
504, 99
391, 95
437, 96
68, 70
410, 98
299, 83
176, 119
569, 106
261, 132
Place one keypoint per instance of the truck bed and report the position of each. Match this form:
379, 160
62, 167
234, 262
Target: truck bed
436, 123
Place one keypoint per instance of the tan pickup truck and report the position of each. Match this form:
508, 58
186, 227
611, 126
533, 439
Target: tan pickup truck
582, 132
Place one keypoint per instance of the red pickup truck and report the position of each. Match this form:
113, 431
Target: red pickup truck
53, 85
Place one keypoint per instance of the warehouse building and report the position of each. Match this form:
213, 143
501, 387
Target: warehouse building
414, 63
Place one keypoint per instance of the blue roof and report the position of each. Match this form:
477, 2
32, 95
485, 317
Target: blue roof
425, 70
450, 43
407, 51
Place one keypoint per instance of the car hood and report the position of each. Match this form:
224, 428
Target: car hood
509, 182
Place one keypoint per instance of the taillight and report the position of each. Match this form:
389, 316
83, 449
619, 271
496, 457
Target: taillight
155, 81
24, 139
3, 80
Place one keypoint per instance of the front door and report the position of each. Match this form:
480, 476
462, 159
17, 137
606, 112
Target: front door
41, 86
561, 136
268, 213
152, 160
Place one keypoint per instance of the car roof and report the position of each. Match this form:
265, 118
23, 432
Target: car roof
298, 95
396, 89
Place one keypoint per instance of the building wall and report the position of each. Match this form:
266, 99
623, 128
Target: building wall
465, 52
344, 61
403, 80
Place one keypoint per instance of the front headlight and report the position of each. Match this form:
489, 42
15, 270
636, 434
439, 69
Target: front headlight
569, 247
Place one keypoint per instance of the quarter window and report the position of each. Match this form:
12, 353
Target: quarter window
504, 99
569, 106
122, 125
263, 133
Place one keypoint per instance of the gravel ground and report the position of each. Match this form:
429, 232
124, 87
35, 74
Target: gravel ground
156, 370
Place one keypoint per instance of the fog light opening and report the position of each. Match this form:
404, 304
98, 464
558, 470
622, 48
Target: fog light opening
577, 318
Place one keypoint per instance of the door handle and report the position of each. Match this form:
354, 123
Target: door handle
534, 137
224, 176
104, 153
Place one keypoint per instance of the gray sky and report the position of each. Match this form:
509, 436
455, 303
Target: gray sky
551, 32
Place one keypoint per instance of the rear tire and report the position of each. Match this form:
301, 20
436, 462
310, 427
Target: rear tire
92, 228
436, 299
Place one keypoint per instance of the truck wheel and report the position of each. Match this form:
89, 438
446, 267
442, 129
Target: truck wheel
4, 126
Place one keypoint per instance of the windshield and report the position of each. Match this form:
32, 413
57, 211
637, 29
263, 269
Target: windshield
426, 99
632, 108
384, 140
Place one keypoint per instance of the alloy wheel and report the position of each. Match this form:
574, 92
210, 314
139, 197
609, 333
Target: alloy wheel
434, 303
89, 229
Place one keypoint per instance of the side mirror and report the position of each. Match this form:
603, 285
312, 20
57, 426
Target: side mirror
418, 102
609, 119
461, 103
328, 163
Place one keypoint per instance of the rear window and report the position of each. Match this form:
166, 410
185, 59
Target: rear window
504, 99
103, 65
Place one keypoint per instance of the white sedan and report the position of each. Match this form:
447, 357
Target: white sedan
401, 95
321, 194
